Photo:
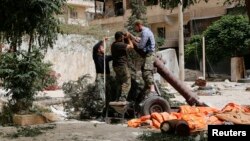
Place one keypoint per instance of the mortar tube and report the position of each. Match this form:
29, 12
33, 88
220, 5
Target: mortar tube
190, 97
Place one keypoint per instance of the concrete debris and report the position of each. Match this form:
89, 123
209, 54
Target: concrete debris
218, 86
97, 122
195, 88
208, 87
238, 86
202, 89
208, 92
229, 85
227, 81
59, 112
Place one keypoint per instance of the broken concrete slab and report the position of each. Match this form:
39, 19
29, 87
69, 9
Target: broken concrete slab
171, 63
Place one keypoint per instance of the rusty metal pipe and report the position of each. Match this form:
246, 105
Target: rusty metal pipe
190, 97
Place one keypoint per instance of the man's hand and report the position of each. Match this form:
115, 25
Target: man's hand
137, 39
127, 35
105, 38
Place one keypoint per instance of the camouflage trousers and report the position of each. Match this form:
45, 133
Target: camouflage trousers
123, 79
100, 86
147, 69
103, 90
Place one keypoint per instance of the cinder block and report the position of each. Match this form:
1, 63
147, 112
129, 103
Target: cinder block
33, 119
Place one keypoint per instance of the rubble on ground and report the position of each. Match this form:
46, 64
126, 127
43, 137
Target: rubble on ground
204, 88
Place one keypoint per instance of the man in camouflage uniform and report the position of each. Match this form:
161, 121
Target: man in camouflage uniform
102, 97
147, 45
120, 64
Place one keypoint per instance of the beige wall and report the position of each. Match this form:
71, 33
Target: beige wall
81, 12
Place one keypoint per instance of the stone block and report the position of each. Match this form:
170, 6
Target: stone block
170, 58
33, 119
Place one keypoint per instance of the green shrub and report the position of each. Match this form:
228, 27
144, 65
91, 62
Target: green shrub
194, 47
159, 42
85, 97
24, 75
227, 37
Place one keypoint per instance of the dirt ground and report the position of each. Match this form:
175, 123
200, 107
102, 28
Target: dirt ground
78, 131
74, 130
227, 92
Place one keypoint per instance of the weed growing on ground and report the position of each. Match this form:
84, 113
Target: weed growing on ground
30, 131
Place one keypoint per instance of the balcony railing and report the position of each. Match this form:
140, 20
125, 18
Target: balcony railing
87, 3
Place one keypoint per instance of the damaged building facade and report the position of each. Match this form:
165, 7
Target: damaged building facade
164, 23
114, 14
78, 12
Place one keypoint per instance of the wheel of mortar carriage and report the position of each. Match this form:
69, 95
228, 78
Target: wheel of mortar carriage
154, 104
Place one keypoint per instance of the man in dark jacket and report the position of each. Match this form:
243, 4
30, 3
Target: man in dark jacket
98, 57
